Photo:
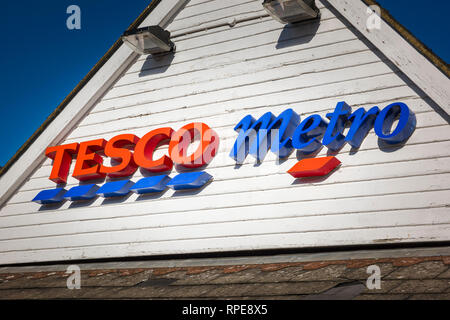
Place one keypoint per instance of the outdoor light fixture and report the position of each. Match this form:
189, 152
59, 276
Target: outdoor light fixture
148, 40
291, 11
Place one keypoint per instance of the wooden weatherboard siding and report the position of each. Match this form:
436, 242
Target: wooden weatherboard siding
218, 76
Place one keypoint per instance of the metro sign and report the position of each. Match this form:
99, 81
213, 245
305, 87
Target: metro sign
284, 133
280, 134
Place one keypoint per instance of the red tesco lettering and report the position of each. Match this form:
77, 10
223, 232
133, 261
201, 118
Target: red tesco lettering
129, 152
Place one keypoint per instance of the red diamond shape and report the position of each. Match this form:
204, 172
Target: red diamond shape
314, 167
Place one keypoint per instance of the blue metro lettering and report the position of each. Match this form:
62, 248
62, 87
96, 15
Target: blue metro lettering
286, 123
242, 144
333, 138
259, 149
405, 126
307, 132
255, 135
362, 122
268, 132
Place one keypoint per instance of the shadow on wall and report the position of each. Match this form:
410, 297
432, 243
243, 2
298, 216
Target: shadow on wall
155, 64
298, 33
51, 207
388, 147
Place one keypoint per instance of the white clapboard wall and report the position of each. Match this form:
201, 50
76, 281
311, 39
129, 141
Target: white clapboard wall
248, 63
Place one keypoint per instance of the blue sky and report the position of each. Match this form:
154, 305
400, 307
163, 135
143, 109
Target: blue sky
42, 61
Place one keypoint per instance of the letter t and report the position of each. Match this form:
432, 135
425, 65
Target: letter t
333, 137
62, 159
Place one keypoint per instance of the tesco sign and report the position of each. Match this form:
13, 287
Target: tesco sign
89, 162
281, 134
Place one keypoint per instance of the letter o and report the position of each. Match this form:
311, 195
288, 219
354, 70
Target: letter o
405, 126
209, 143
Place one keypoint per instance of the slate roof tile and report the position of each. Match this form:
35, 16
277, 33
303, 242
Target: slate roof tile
423, 270
402, 278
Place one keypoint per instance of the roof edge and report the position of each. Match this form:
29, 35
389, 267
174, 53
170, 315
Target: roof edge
417, 44
77, 89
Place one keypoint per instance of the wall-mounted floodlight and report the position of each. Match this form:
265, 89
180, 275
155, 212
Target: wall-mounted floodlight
148, 40
291, 11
